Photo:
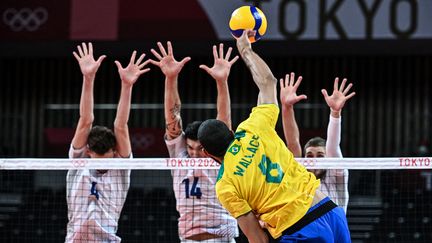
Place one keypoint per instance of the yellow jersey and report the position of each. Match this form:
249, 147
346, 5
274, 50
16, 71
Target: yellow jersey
260, 174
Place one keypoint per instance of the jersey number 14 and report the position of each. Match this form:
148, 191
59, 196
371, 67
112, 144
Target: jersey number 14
195, 190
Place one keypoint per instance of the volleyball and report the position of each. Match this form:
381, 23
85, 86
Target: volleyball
248, 17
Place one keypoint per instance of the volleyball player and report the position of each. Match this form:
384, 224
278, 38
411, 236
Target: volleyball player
202, 218
259, 178
333, 182
95, 197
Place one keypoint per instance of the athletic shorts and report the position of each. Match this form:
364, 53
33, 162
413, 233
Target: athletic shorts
216, 240
330, 227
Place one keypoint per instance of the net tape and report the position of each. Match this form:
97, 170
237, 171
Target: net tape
368, 163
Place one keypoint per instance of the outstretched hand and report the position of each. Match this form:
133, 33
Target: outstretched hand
86, 61
339, 96
288, 90
130, 74
222, 65
243, 42
167, 63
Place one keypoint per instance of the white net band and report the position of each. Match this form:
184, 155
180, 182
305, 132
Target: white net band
371, 163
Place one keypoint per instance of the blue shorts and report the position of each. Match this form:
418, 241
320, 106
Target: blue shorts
330, 227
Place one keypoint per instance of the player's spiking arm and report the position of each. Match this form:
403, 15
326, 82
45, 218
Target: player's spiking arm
266, 82
220, 72
289, 97
88, 67
128, 75
261, 73
172, 104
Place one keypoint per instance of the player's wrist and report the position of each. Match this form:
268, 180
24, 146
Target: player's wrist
221, 82
89, 74
244, 49
335, 113
288, 106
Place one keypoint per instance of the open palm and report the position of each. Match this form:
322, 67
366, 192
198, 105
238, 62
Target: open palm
288, 90
340, 95
169, 66
222, 65
130, 74
86, 61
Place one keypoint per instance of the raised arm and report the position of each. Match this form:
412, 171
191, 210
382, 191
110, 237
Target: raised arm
289, 97
261, 73
336, 102
88, 68
128, 75
220, 72
172, 104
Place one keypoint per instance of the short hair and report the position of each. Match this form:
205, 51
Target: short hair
191, 130
215, 137
315, 142
101, 139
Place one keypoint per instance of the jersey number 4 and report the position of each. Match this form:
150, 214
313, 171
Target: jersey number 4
195, 190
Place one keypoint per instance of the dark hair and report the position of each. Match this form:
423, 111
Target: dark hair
191, 130
101, 139
215, 137
315, 142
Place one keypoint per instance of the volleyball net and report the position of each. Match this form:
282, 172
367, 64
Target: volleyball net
389, 198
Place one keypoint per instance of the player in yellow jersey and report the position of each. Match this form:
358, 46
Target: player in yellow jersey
259, 178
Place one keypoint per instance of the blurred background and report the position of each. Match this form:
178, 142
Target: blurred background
384, 47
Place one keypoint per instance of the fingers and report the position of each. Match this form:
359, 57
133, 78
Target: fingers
221, 51
220, 55
291, 79
249, 33
336, 84
205, 68
185, 60
90, 49
144, 71
80, 51
154, 62
342, 87
170, 49
215, 54
119, 66
162, 49
132, 59
301, 97
246, 34
144, 64
298, 82
228, 53
85, 48
234, 60
347, 89
350, 95
281, 83
156, 54
100, 59
76, 56
325, 94
140, 59
286, 80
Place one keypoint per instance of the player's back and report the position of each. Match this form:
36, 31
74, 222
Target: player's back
260, 172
